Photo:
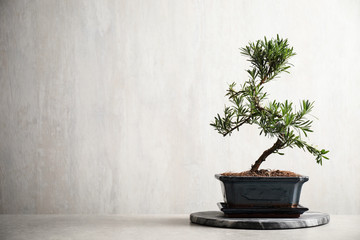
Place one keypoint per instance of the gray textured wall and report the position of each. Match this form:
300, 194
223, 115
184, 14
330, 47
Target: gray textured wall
105, 105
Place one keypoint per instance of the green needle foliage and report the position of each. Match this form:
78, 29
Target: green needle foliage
268, 59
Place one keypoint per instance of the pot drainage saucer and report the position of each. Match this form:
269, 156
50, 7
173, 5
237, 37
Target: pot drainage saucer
268, 212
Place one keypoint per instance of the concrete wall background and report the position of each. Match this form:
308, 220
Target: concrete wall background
105, 105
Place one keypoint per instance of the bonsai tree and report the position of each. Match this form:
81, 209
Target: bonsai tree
275, 119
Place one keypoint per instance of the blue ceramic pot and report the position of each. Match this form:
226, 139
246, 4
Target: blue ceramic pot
240, 192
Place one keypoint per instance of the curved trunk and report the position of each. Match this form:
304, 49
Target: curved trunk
277, 145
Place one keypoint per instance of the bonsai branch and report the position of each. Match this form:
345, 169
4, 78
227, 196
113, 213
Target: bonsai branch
263, 81
277, 145
237, 126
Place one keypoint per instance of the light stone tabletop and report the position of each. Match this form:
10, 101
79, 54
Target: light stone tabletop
66, 227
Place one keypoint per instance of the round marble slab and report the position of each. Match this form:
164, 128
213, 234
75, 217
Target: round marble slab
217, 219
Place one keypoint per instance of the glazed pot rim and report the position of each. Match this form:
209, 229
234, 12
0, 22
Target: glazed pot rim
280, 178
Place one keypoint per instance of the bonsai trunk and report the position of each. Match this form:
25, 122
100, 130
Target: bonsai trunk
277, 145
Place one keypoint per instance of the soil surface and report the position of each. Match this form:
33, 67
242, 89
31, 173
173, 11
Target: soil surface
263, 173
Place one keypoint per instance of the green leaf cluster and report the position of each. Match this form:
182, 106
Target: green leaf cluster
281, 120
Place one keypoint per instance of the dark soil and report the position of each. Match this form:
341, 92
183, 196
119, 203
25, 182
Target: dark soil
263, 173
